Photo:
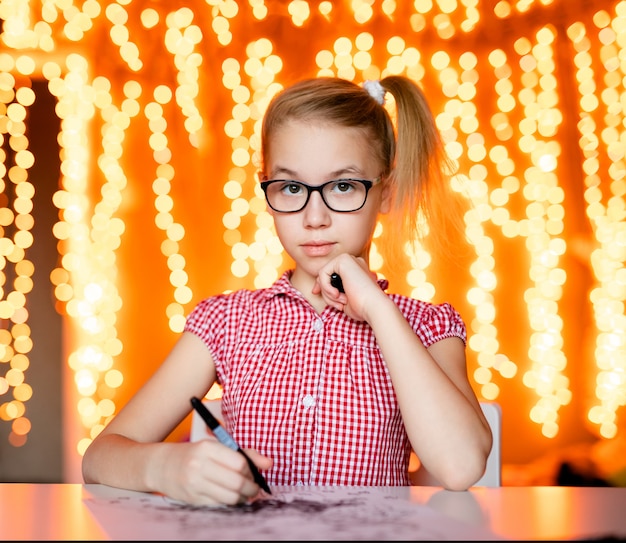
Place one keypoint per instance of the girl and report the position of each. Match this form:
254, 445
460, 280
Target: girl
321, 386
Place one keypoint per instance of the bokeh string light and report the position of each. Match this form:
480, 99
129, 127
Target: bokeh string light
501, 110
16, 222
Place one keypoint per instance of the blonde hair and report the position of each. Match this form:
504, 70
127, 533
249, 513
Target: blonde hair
408, 147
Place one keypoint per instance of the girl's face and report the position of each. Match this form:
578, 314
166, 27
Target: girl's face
314, 153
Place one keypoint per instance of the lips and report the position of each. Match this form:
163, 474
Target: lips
317, 248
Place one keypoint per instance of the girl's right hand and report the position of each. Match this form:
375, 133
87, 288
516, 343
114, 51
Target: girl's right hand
362, 293
207, 473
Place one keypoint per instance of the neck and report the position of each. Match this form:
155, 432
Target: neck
304, 283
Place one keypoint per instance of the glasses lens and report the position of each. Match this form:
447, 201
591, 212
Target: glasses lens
286, 196
344, 194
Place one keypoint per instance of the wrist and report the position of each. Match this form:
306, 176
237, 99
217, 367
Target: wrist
155, 469
379, 310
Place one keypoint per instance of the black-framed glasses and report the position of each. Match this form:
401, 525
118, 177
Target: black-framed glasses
340, 195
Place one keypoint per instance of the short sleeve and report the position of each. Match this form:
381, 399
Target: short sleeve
202, 321
434, 322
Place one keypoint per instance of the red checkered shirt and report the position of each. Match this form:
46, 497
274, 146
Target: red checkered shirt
310, 390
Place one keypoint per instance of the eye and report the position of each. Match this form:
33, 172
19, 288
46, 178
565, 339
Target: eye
291, 188
344, 186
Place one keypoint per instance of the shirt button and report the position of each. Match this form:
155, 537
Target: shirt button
308, 401
318, 325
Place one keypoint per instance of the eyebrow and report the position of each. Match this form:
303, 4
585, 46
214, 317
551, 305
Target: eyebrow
337, 174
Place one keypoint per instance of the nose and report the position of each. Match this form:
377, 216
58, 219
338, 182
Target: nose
316, 214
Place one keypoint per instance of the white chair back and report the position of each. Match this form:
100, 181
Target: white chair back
199, 429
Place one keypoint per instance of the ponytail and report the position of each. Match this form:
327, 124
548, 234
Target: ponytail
425, 207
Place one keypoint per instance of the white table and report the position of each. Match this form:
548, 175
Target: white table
92, 512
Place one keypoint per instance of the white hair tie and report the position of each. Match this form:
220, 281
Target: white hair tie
375, 90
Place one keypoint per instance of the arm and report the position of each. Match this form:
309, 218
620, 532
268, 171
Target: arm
131, 452
441, 413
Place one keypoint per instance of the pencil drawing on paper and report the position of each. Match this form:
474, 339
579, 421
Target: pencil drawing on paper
310, 513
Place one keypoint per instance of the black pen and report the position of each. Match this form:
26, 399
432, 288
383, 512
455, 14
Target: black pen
225, 439
335, 281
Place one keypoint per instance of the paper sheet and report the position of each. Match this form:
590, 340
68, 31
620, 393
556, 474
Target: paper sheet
290, 513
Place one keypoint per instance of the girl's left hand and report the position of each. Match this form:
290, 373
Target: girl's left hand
361, 289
